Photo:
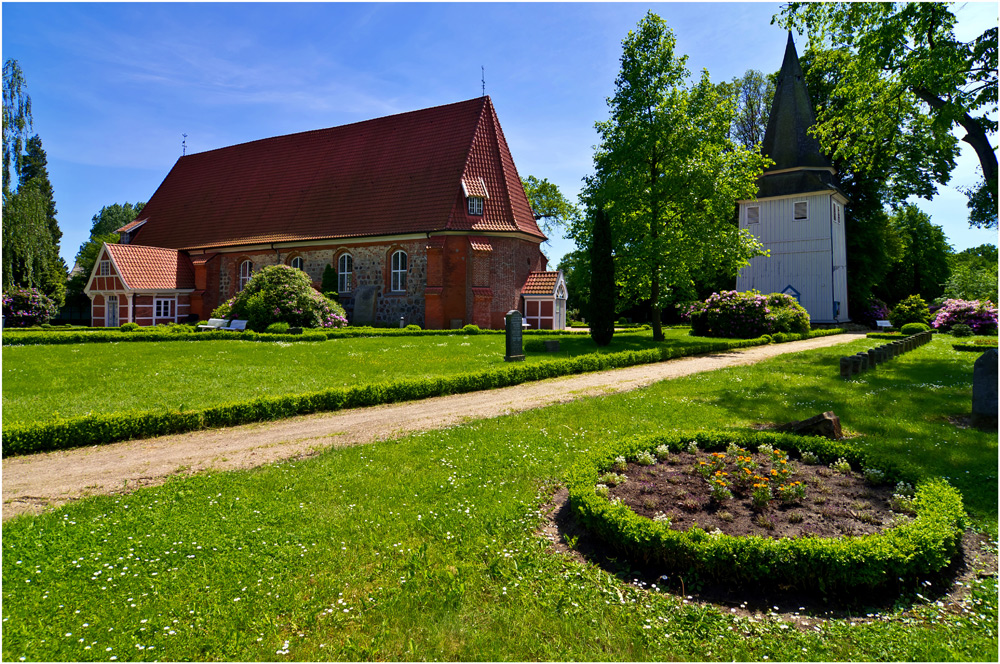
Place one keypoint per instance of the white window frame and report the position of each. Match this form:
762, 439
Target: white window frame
838, 212
756, 220
297, 263
398, 268
105, 269
795, 211
111, 311
168, 302
476, 206
246, 272
345, 273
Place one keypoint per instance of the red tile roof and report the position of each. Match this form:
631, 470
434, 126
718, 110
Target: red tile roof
393, 175
152, 267
131, 225
480, 243
540, 283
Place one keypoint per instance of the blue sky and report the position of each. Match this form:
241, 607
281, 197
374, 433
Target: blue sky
114, 86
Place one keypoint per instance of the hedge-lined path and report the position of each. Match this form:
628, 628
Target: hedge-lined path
32, 483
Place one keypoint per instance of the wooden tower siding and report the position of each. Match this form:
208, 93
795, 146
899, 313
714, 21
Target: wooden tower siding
807, 256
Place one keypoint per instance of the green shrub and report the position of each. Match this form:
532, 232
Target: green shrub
412, 327
25, 307
914, 328
279, 293
281, 327
129, 327
911, 310
471, 329
328, 282
961, 330
909, 551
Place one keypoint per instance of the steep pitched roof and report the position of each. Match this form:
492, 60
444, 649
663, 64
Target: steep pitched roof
787, 140
152, 267
392, 175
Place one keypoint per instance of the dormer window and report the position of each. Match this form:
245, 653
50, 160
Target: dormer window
476, 206
475, 193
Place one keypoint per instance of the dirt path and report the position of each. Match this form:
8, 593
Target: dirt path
32, 483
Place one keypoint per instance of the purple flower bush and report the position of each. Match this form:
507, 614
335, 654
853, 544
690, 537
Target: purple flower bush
746, 315
981, 316
876, 310
280, 293
26, 307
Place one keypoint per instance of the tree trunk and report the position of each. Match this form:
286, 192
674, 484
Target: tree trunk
654, 234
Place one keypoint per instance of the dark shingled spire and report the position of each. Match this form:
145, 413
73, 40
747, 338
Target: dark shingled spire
787, 141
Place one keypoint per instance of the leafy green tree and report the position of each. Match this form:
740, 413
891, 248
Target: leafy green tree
601, 315
906, 68
922, 266
113, 217
668, 175
548, 204
575, 266
973, 274
34, 166
753, 93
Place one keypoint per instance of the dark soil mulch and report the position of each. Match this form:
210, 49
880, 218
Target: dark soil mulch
835, 504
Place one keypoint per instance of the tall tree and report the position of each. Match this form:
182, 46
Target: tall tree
113, 217
753, 93
35, 166
548, 204
906, 67
16, 121
922, 267
602, 281
668, 174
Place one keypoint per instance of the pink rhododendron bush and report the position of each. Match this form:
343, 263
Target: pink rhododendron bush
980, 315
282, 294
746, 315
25, 307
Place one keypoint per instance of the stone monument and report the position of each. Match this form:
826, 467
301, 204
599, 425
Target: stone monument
512, 325
984, 390
364, 305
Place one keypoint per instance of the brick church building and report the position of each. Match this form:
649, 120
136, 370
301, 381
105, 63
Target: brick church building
422, 215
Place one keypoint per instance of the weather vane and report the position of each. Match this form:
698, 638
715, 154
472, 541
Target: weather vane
184, 145
484, 79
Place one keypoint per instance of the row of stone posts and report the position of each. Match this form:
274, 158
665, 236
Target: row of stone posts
856, 364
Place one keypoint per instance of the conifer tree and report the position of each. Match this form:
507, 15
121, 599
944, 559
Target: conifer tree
602, 281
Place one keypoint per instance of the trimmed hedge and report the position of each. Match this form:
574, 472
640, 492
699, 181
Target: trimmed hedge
976, 346
924, 545
109, 428
116, 336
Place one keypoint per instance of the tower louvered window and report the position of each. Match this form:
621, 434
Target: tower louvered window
753, 214
801, 210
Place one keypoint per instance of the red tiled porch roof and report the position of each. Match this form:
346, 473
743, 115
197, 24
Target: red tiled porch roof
152, 267
388, 176
540, 283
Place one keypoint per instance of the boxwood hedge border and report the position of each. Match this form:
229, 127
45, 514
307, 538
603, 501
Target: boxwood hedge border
831, 565
106, 428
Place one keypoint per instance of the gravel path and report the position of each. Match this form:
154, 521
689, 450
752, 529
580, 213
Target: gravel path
32, 483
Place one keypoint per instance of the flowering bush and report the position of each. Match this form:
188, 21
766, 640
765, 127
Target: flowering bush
746, 315
980, 315
26, 307
876, 310
279, 293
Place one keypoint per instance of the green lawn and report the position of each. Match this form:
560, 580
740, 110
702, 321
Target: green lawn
426, 547
42, 383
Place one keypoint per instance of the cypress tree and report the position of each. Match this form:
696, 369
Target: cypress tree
602, 281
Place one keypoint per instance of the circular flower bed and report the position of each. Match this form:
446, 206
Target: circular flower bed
922, 544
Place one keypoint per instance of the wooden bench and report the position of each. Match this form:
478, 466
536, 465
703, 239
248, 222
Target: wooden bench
213, 324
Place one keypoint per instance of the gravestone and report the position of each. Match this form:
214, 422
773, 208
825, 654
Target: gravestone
826, 424
551, 345
984, 390
845, 367
512, 326
364, 305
